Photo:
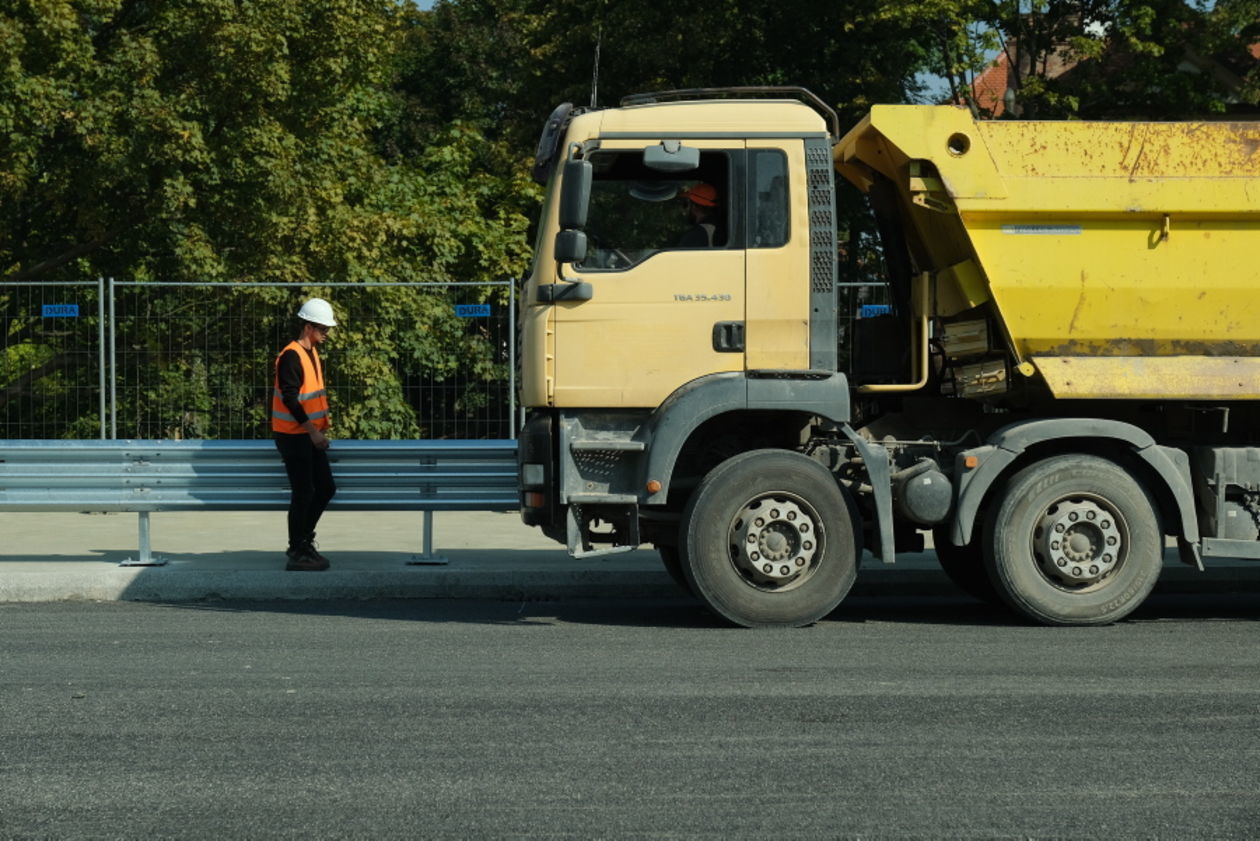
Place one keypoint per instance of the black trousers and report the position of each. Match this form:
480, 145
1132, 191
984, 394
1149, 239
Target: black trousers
310, 478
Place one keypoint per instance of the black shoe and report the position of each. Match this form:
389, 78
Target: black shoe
302, 561
312, 550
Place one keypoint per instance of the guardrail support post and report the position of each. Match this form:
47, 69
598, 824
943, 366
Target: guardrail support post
427, 557
146, 558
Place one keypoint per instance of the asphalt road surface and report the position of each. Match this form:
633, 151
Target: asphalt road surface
934, 718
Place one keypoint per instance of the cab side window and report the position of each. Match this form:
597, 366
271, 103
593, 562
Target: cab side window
768, 199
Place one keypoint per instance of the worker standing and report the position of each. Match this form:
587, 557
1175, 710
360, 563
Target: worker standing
299, 423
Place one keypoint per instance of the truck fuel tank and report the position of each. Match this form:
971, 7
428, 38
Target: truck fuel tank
922, 494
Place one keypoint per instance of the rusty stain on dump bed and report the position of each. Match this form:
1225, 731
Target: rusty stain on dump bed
1080, 306
1133, 150
1151, 348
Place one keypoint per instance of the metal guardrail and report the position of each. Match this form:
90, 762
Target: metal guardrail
143, 476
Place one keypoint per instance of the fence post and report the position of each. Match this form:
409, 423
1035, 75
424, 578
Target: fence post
512, 361
100, 348
113, 364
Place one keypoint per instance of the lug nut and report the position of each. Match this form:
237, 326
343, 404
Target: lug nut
784, 570
767, 569
800, 562
1093, 570
756, 556
1076, 571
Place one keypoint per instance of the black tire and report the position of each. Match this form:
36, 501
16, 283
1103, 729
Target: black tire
671, 559
770, 540
964, 566
1074, 540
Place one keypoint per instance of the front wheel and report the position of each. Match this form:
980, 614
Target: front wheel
672, 560
770, 540
964, 567
1074, 540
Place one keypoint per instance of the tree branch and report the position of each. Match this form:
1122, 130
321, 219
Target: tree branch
23, 383
60, 260
73, 253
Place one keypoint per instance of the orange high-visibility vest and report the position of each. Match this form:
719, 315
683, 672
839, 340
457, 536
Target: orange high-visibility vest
311, 394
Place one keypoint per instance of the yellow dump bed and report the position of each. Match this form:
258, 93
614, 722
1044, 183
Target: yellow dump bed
1123, 259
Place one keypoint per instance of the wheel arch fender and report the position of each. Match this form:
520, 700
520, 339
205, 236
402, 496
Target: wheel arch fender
802, 393
1167, 468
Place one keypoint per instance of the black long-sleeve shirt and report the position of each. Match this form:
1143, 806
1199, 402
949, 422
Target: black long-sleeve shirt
289, 372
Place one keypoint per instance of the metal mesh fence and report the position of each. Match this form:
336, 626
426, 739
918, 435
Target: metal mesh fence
197, 360
858, 301
52, 370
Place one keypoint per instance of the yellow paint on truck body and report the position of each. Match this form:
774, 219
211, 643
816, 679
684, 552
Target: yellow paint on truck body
1113, 253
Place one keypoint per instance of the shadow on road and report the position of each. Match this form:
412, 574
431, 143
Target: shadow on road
685, 613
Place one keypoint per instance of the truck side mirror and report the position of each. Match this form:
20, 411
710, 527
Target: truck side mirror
570, 247
671, 156
575, 194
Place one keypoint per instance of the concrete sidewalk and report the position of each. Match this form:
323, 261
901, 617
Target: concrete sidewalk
238, 555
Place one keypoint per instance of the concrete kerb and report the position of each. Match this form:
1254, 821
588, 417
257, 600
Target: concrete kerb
217, 555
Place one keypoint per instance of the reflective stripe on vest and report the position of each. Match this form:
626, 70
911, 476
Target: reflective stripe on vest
311, 393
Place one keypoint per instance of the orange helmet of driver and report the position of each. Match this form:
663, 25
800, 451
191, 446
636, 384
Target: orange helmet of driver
705, 195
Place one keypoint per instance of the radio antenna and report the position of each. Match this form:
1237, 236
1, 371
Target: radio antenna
599, 39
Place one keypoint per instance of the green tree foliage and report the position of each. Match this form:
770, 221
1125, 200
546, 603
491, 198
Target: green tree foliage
1097, 59
241, 142
506, 63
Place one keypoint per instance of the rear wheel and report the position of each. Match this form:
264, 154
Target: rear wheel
1074, 540
770, 540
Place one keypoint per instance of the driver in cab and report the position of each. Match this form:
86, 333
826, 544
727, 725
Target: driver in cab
703, 209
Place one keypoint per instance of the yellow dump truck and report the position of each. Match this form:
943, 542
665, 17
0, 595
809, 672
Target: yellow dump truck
1051, 362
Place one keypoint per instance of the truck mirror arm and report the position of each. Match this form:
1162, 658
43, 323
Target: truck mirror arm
568, 289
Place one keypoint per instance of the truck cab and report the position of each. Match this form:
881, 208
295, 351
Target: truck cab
648, 359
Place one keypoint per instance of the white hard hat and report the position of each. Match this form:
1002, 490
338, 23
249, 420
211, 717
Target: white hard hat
319, 311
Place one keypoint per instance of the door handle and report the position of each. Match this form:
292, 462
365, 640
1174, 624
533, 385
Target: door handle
728, 337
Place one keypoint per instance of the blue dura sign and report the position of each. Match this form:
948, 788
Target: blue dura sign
61, 310
472, 310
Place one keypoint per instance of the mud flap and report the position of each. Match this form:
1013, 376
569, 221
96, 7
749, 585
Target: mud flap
876, 459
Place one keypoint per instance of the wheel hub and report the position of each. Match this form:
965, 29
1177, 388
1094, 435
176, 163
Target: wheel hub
1079, 542
774, 540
